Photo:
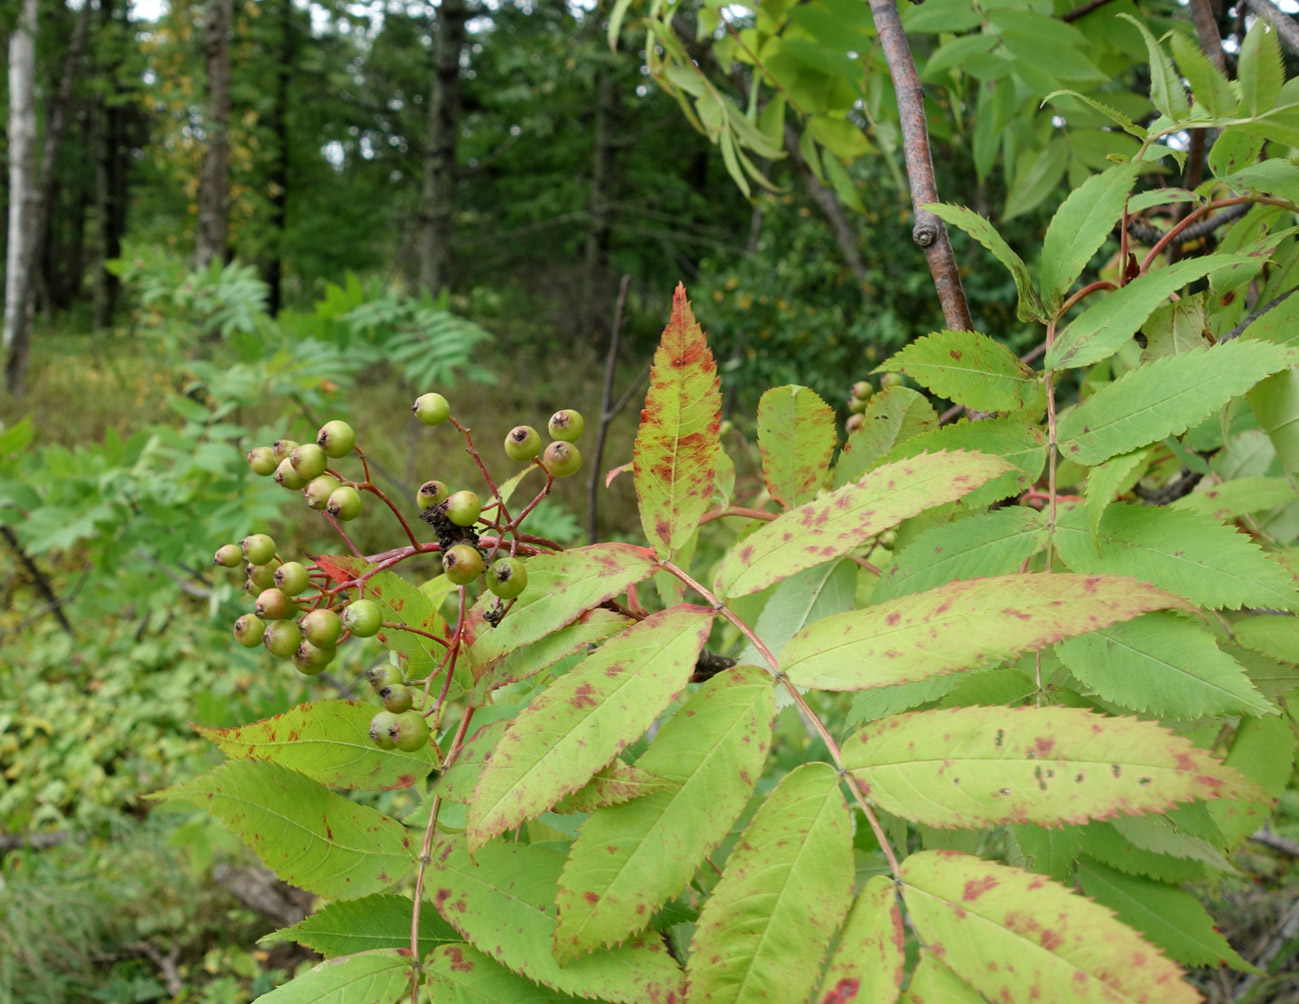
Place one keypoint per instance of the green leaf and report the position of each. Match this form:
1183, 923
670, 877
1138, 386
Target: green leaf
796, 436
1163, 665
1017, 441
1276, 406
970, 369
1259, 68
401, 602
1036, 177
301, 830
1263, 750
328, 741
1163, 398
960, 625
379, 976
456, 783
613, 784
590, 629
832, 526
1047, 850
585, 718
893, 416
786, 886
985, 544
973, 767
1172, 919
1209, 87
1014, 935
678, 439
1275, 637
1080, 226
1183, 552
358, 925
1166, 91
934, 983
1105, 326
629, 859
1231, 499
460, 974
503, 901
1166, 858
799, 600
868, 962
561, 587
1109, 480
1030, 306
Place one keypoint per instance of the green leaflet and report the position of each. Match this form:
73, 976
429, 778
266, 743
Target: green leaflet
786, 886
1105, 843
1263, 749
1174, 328
591, 628
403, 603
1209, 87
1161, 835
461, 974
1182, 552
503, 901
799, 600
1163, 398
867, 963
613, 784
301, 830
1231, 499
796, 437
677, 444
959, 625
933, 983
358, 925
1048, 851
1030, 306
970, 369
1011, 934
585, 718
456, 783
1029, 765
832, 526
1164, 665
1276, 405
1079, 228
328, 741
1275, 637
629, 859
1171, 918
1013, 439
990, 543
1110, 479
892, 416
1259, 69
1105, 326
380, 975
1166, 91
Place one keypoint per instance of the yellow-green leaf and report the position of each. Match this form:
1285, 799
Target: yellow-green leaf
868, 963
970, 369
796, 437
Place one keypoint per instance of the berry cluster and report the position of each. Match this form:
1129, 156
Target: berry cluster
301, 612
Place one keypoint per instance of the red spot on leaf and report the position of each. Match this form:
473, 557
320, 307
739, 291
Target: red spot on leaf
845, 990
974, 889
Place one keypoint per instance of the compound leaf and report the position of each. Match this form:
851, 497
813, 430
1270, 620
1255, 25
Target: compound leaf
796, 437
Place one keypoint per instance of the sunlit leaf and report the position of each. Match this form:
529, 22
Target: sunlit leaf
867, 964
796, 437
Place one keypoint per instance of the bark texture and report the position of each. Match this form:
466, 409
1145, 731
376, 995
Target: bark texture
20, 261
214, 180
437, 220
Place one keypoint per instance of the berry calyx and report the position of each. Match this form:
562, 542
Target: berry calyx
381, 730
322, 628
854, 423
431, 409
318, 491
291, 577
507, 578
308, 460
409, 732
566, 426
282, 638
561, 459
228, 555
362, 618
383, 675
396, 697
281, 448
258, 549
344, 503
462, 563
261, 459
287, 477
311, 659
464, 508
248, 630
431, 493
336, 438
274, 605
522, 443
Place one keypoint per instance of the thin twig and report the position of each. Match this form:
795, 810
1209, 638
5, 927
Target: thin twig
53, 603
606, 414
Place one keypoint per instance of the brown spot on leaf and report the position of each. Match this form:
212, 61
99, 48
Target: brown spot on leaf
974, 889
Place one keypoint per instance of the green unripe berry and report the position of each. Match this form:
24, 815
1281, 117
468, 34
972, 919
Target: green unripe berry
274, 605
462, 563
363, 618
431, 409
281, 448
561, 459
410, 732
282, 638
258, 549
862, 390
287, 477
261, 577
891, 380
344, 503
566, 426
507, 578
431, 493
262, 461
308, 460
396, 697
322, 628
336, 438
311, 659
522, 443
464, 508
381, 730
248, 630
856, 405
228, 555
318, 491
291, 577
383, 675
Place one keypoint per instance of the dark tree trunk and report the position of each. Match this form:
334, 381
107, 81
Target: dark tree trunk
112, 163
213, 181
279, 180
599, 212
437, 222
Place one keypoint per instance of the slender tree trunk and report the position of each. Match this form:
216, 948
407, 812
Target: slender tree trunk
111, 166
20, 261
279, 181
440, 157
599, 212
213, 180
